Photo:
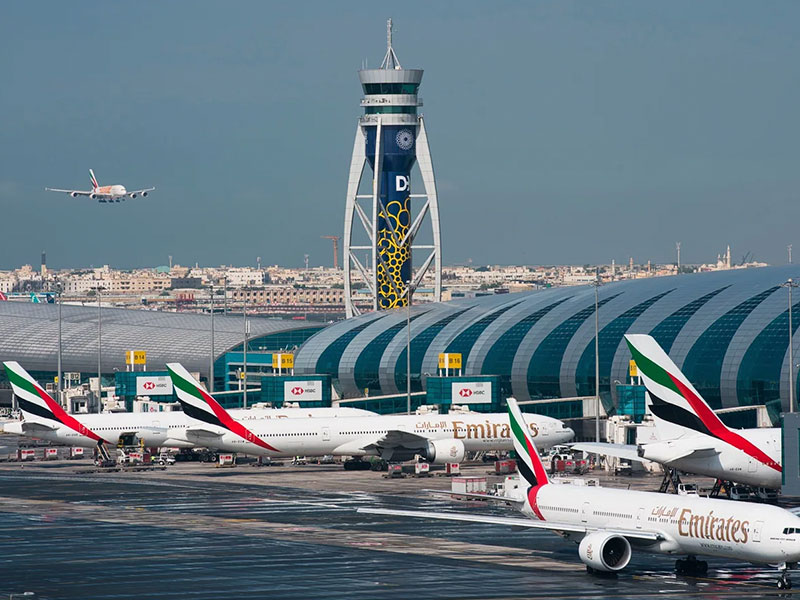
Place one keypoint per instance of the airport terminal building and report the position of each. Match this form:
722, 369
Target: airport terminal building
29, 335
727, 330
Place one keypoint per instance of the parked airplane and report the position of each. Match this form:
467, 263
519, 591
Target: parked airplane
609, 523
439, 438
105, 193
45, 418
691, 437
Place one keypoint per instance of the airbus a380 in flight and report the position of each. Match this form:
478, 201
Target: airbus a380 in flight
608, 524
104, 193
45, 418
692, 437
439, 438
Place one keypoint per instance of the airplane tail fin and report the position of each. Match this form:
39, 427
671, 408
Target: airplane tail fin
200, 405
37, 405
678, 408
95, 185
35, 298
3, 297
528, 462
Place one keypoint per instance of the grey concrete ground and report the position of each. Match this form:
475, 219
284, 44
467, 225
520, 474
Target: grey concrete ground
195, 532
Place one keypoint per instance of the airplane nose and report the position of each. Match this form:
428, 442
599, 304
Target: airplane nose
570, 433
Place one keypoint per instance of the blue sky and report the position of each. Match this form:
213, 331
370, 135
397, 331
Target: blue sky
561, 132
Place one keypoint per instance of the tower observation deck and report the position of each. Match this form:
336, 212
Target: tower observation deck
391, 138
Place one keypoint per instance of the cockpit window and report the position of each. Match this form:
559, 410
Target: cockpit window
791, 530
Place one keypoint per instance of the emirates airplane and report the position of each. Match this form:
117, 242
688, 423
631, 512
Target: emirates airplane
439, 438
45, 418
691, 437
608, 524
105, 193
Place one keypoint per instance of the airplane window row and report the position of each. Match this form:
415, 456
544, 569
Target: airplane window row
602, 513
561, 509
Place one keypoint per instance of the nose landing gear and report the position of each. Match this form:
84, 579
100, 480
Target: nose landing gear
784, 582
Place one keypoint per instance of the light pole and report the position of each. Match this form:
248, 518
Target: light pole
408, 347
211, 358
789, 285
596, 357
99, 352
244, 368
60, 375
678, 248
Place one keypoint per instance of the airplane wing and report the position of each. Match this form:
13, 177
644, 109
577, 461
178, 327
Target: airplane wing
638, 534
624, 451
203, 432
72, 192
137, 192
694, 453
487, 497
629, 452
397, 439
34, 427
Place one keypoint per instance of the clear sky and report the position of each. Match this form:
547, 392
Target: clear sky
561, 132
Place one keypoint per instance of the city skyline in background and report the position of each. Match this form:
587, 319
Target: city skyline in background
592, 133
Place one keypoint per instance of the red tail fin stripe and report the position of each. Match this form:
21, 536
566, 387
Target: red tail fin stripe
232, 425
717, 427
62, 416
532, 493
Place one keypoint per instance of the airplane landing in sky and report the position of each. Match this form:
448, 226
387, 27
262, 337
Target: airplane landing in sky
105, 193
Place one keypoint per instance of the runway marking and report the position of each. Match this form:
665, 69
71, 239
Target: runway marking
354, 538
49, 511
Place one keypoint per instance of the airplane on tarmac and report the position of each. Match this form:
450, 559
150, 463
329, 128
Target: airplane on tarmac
692, 438
439, 438
608, 524
45, 418
105, 193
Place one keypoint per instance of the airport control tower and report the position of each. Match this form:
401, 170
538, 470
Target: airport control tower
391, 138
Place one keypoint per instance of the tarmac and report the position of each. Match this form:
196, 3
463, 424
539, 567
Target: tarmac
196, 531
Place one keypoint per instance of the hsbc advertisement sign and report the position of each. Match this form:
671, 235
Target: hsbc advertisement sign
299, 391
154, 386
472, 392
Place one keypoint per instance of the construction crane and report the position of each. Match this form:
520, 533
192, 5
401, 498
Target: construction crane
335, 239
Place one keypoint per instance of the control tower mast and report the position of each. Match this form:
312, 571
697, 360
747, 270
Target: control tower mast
391, 137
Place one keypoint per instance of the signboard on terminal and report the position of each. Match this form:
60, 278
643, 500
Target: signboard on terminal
135, 357
283, 361
299, 391
154, 385
633, 369
472, 392
450, 360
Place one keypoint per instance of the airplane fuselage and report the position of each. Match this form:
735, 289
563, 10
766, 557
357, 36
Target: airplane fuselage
690, 525
154, 429
361, 436
728, 463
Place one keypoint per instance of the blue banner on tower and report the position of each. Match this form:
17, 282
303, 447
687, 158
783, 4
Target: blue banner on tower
398, 154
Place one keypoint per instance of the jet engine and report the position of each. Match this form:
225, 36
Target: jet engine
133, 195
74, 194
603, 551
445, 451
144, 194
93, 196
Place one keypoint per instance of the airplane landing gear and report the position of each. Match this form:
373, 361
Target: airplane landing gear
784, 582
691, 566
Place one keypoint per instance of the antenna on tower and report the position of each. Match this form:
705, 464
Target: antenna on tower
390, 61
